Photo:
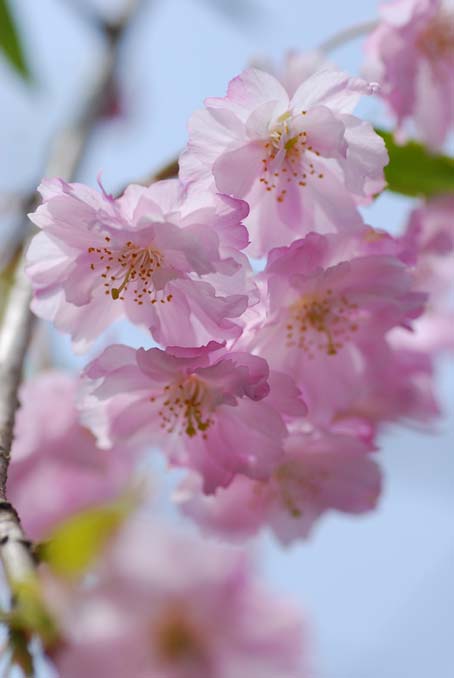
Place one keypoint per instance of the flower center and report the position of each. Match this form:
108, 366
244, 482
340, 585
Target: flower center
286, 159
130, 268
295, 485
177, 641
186, 408
321, 323
437, 40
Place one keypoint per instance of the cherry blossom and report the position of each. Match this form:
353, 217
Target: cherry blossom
266, 384
328, 310
206, 407
398, 385
302, 162
320, 471
411, 54
56, 468
430, 233
169, 606
154, 255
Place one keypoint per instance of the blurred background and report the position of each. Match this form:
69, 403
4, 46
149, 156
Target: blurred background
378, 591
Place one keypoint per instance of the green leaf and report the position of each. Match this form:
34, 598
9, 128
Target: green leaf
75, 544
10, 43
413, 170
29, 615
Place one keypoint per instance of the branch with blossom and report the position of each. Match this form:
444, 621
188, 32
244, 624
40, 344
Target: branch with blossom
16, 550
282, 336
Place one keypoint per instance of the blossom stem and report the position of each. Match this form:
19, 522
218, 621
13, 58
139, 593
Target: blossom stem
16, 553
347, 35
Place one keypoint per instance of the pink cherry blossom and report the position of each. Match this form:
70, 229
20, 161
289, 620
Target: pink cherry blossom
320, 472
328, 310
411, 54
430, 233
397, 385
56, 468
301, 161
168, 606
154, 254
206, 407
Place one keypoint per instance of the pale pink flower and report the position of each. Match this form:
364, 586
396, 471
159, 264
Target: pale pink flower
430, 233
168, 606
321, 471
56, 468
397, 385
206, 407
328, 311
411, 54
296, 67
302, 162
154, 255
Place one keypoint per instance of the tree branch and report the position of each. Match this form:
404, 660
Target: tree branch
347, 35
168, 171
65, 157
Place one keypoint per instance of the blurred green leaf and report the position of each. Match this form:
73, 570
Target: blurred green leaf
75, 544
414, 171
10, 43
29, 614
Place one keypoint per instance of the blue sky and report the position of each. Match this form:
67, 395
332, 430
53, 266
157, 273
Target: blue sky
378, 591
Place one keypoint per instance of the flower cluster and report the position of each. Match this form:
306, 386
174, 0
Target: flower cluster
282, 336
163, 605
411, 53
272, 382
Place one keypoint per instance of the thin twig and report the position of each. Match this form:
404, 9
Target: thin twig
168, 171
347, 35
67, 147
15, 549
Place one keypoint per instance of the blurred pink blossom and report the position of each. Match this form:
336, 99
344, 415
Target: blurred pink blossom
168, 606
56, 468
295, 67
430, 233
411, 54
320, 471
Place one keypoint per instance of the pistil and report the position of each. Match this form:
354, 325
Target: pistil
296, 165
